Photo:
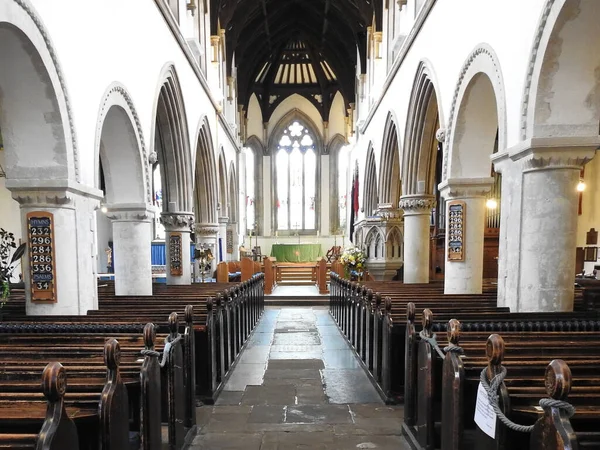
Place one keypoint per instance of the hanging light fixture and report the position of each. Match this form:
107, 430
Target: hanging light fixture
581, 185
491, 203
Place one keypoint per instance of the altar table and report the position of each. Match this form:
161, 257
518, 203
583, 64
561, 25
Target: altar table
296, 252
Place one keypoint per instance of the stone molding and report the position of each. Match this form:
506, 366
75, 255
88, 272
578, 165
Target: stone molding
457, 188
417, 204
387, 211
440, 135
177, 221
223, 220
51, 196
206, 229
128, 213
29, 10
555, 153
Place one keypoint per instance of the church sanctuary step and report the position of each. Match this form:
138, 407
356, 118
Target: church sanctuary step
296, 274
293, 295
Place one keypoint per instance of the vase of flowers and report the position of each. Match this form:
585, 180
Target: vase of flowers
354, 261
10, 255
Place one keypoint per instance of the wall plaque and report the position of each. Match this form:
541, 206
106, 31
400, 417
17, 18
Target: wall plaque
229, 241
456, 230
175, 255
42, 266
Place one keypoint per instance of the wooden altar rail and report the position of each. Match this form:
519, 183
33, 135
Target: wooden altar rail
322, 276
248, 269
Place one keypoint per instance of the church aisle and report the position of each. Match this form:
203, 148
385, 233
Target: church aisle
298, 386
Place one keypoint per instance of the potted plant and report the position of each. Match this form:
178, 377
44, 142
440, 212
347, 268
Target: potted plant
10, 255
354, 261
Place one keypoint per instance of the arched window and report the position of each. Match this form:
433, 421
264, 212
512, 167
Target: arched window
342, 186
296, 179
250, 190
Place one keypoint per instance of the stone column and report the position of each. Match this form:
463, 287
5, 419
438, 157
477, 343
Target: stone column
74, 264
223, 222
233, 228
178, 224
132, 237
466, 276
545, 265
417, 218
206, 234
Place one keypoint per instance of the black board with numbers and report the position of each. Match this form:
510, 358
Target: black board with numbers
42, 262
175, 254
456, 230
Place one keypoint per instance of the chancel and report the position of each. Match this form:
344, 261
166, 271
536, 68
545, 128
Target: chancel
296, 224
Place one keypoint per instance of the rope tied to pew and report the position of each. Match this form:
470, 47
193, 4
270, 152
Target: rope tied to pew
453, 348
432, 341
492, 391
170, 343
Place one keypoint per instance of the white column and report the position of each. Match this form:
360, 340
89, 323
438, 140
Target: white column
233, 228
132, 237
74, 264
206, 235
466, 276
546, 267
223, 222
178, 224
417, 218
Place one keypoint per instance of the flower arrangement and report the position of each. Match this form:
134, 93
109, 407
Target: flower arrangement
354, 261
8, 262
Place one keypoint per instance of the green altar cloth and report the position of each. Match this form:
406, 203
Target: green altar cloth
296, 252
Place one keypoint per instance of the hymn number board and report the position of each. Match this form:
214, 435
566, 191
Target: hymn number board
175, 255
40, 234
457, 215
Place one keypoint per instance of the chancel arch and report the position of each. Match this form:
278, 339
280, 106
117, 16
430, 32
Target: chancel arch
40, 161
476, 130
124, 223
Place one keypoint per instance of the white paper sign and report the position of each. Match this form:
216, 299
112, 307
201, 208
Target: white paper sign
485, 417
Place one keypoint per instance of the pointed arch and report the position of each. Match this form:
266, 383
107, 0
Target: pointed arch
390, 187
233, 194
170, 141
223, 205
205, 178
254, 145
370, 194
291, 116
335, 148
421, 146
374, 243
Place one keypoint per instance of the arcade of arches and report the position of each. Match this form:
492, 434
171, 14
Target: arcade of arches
210, 138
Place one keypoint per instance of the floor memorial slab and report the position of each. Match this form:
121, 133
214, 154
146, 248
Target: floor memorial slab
298, 386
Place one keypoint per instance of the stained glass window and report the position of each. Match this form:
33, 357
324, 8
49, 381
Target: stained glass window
296, 175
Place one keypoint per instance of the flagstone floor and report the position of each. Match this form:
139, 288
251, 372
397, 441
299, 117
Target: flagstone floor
298, 385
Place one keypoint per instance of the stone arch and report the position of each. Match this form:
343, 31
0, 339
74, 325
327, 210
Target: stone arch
336, 144
233, 194
394, 242
424, 120
478, 112
223, 186
170, 141
35, 113
390, 187
289, 117
562, 89
257, 147
205, 178
374, 243
121, 150
370, 194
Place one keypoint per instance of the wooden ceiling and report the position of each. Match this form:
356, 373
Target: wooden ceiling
267, 35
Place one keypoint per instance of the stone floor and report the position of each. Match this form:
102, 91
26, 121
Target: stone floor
298, 385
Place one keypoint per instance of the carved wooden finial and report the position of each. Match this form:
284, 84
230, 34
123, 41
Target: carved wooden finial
427, 321
453, 331
173, 324
189, 314
410, 312
54, 381
378, 299
558, 379
149, 336
388, 305
209, 303
494, 350
112, 354
370, 296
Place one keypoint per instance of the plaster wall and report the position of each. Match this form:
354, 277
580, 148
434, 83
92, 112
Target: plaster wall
590, 208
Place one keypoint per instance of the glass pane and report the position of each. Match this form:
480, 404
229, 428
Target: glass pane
282, 190
250, 190
296, 190
342, 185
310, 173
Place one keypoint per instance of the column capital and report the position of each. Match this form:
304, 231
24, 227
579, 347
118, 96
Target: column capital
52, 195
418, 204
555, 153
466, 187
177, 221
388, 211
206, 229
130, 213
223, 220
